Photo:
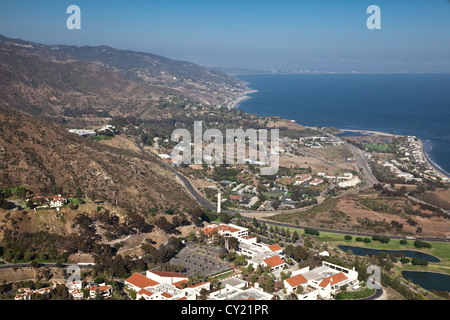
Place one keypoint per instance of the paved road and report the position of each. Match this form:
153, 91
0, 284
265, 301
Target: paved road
208, 204
360, 160
378, 295
44, 265
185, 182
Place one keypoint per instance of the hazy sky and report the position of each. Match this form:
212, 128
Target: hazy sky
328, 35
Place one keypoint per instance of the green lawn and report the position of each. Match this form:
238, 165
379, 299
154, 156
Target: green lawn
359, 294
76, 201
438, 249
379, 147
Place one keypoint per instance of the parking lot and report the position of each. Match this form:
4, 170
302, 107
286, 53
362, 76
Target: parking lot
200, 259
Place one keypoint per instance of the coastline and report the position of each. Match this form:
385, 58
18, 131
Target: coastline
440, 172
430, 161
422, 143
369, 132
244, 96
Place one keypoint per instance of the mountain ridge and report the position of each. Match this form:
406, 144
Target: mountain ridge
45, 80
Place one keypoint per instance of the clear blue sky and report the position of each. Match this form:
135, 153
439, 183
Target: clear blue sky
317, 34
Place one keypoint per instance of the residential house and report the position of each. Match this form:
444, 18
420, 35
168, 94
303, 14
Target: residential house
101, 290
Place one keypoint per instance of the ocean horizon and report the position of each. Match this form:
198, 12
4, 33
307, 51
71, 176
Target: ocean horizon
401, 104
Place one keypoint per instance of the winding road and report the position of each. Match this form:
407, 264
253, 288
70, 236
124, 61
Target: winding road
209, 205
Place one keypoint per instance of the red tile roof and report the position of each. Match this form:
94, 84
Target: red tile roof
275, 247
296, 280
336, 278
101, 289
166, 295
141, 281
222, 227
274, 261
145, 292
178, 284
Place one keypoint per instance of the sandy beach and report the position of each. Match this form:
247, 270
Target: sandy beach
367, 132
243, 97
431, 162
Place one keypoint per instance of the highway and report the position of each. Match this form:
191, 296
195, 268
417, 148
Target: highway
209, 205
184, 181
361, 161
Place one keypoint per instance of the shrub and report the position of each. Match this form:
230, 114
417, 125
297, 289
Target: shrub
421, 244
367, 240
347, 237
312, 232
403, 242
419, 262
385, 240
359, 239
404, 260
376, 238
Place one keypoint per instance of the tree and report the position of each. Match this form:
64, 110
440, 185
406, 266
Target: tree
34, 264
197, 215
137, 222
385, 240
233, 243
255, 223
6, 205
269, 284
164, 225
21, 193
300, 253
225, 218
191, 236
300, 289
30, 204
289, 250
294, 236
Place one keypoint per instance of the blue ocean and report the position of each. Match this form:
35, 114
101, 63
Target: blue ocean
404, 104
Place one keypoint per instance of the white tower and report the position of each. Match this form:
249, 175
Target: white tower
219, 201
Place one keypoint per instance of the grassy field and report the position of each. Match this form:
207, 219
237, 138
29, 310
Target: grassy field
438, 249
379, 147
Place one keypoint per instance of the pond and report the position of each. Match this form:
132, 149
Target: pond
359, 251
429, 280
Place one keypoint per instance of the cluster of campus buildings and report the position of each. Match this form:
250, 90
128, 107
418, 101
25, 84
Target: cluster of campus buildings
321, 282
74, 289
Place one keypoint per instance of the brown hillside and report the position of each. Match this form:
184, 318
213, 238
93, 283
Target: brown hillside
42, 156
